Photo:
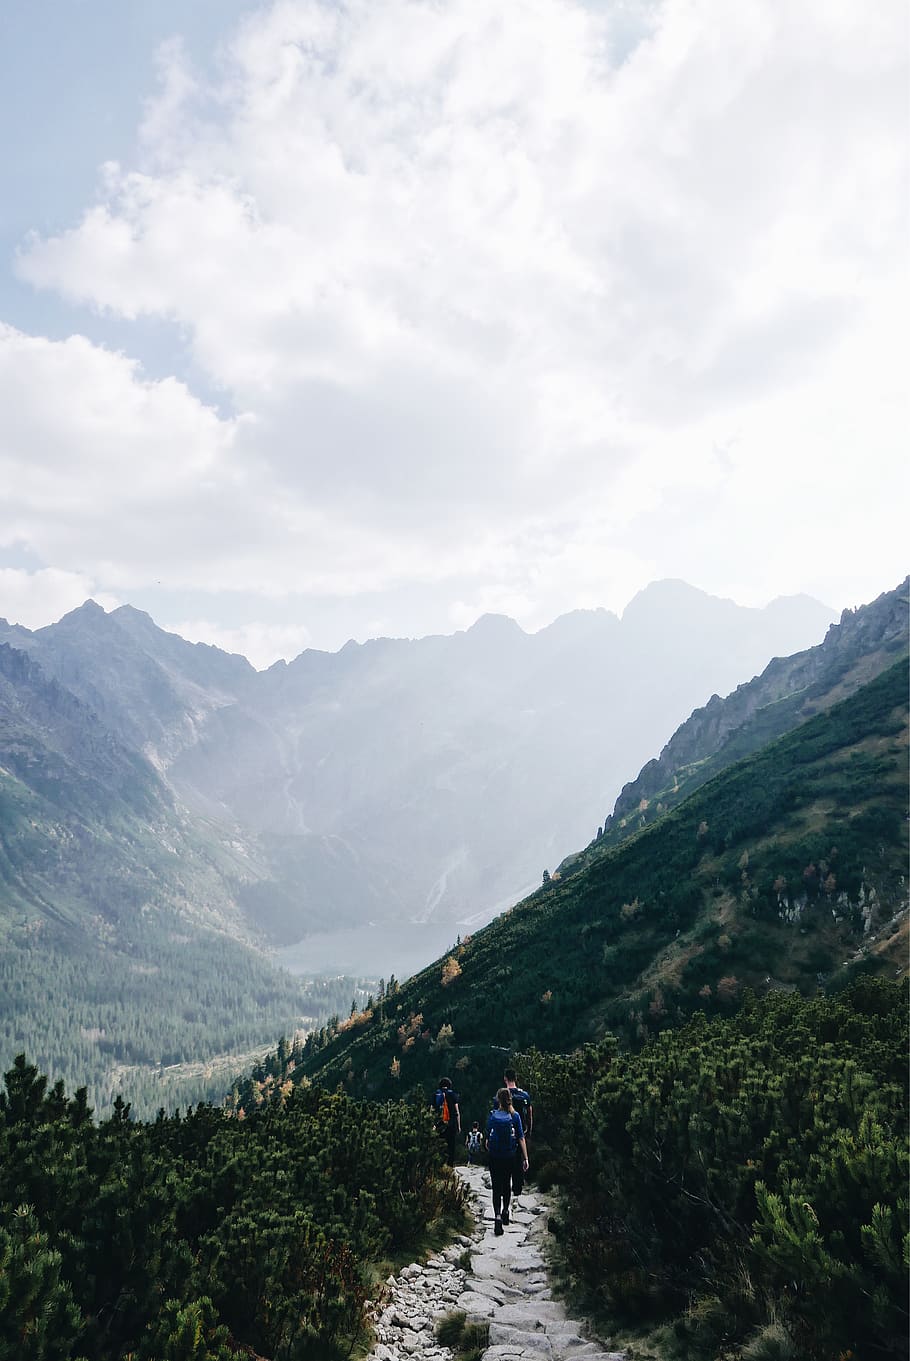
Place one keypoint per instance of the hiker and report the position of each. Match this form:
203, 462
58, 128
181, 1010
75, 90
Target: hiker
521, 1103
505, 1143
448, 1115
474, 1142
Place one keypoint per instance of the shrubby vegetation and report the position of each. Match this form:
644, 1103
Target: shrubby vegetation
737, 1177
204, 1236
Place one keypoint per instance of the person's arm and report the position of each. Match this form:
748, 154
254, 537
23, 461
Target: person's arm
530, 1110
458, 1116
516, 1121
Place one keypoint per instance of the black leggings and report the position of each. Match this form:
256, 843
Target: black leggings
518, 1173
501, 1177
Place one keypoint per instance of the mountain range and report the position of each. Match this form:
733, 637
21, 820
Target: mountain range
410, 780
167, 813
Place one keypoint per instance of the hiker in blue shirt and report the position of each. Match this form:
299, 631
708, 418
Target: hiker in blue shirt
521, 1104
505, 1143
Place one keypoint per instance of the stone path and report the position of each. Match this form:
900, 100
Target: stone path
507, 1287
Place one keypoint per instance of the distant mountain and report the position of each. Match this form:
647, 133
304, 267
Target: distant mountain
165, 810
431, 779
150, 688
864, 643
90, 826
54, 743
123, 943
786, 871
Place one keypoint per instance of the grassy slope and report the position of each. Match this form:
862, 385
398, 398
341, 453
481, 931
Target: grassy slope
681, 916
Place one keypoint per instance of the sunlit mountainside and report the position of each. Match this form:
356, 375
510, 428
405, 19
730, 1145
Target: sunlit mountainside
170, 814
785, 871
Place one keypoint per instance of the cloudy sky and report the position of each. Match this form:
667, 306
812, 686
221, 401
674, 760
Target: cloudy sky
327, 318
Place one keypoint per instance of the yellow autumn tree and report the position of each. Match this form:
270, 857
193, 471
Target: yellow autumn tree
450, 971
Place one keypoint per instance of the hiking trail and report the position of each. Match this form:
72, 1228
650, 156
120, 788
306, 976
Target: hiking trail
507, 1287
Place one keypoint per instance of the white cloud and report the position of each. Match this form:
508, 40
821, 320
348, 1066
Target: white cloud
262, 644
34, 599
491, 286
116, 476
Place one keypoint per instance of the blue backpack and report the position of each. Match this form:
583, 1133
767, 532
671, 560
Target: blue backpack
501, 1138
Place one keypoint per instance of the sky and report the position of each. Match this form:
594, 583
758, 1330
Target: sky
324, 319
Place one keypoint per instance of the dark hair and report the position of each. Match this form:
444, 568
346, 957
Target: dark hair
510, 1075
445, 1082
504, 1099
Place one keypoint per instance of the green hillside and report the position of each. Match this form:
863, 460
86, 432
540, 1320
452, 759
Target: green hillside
123, 952
785, 871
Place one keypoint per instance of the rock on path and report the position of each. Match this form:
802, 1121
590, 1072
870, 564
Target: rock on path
507, 1287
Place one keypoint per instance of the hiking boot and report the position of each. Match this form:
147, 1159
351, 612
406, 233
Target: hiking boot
505, 1216
497, 1227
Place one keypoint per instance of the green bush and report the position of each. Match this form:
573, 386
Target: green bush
201, 1236
746, 1174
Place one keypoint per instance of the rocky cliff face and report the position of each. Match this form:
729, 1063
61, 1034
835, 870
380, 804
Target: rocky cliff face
151, 689
50, 739
865, 642
89, 832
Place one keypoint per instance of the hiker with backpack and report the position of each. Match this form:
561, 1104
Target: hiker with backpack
448, 1115
474, 1142
521, 1104
505, 1144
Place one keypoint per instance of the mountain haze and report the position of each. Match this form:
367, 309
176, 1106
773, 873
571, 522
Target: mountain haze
425, 780
865, 642
786, 871
167, 811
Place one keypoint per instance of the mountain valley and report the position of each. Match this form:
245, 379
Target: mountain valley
786, 871
176, 824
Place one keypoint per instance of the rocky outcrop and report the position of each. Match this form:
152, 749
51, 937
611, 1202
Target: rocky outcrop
790, 690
